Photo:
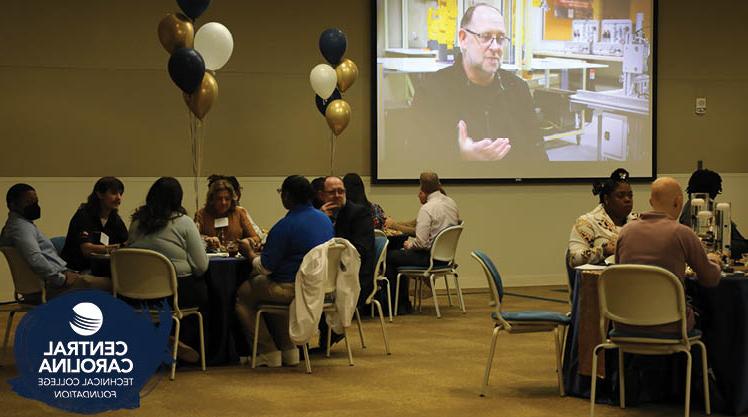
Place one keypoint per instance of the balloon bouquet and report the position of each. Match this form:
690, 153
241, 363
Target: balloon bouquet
194, 59
329, 82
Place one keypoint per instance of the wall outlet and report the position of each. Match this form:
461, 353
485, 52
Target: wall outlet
700, 105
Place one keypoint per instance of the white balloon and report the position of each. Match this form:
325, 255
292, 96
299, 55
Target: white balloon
324, 80
214, 42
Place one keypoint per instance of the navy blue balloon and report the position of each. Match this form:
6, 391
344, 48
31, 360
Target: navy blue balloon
193, 8
186, 69
323, 103
332, 44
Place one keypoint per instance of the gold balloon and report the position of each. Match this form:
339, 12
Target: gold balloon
176, 31
338, 114
347, 72
203, 98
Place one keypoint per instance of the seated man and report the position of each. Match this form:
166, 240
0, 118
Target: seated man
21, 233
352, 222
658, 239
710, 182
437, 212
303, 228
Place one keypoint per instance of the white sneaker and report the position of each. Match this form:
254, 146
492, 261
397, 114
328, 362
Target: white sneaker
290, 357
269, 359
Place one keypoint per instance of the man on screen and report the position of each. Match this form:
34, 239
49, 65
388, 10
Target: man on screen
476, 107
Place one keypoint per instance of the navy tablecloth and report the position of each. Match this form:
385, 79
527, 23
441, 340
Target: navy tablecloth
224, 340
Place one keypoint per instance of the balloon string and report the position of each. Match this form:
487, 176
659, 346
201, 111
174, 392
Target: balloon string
200, 152
332, 151
193, 145
197, 139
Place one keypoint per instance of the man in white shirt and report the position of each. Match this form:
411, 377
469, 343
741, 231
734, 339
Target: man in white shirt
437, 212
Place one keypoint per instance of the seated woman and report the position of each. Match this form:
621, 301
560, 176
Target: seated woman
96, 228
594, 235
318, 189
710, 182
233, 224
354, 189
162, 225
238, 190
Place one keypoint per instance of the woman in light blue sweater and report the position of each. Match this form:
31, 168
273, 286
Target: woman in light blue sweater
162, 225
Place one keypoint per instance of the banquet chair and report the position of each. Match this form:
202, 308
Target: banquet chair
142, 274
571, 276
381, 243
58, 242
518, 321
643, 295
380, 248
441, 264
333, 258
25, 281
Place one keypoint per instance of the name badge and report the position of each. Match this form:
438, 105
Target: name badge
104, 239
222, 222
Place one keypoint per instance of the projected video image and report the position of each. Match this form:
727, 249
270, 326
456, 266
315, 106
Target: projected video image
514, 89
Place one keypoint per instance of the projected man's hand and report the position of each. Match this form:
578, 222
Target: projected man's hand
483, 150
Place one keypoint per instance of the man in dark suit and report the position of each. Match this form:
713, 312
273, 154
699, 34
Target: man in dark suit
354, 223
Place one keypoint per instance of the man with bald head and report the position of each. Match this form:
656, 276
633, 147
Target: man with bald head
658, 239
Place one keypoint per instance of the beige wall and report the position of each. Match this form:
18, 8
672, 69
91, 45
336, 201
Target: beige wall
85, 93
85, 89
91, 75
523, 228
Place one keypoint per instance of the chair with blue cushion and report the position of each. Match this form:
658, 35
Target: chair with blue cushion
58, 242
518, 321
441, 264
643, 295
380, 249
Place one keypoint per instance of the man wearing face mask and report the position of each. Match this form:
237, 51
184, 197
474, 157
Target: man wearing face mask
21, 233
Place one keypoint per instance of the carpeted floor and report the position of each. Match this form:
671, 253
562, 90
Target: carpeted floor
435, 369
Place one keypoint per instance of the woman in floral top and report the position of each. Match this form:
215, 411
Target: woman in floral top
594, 235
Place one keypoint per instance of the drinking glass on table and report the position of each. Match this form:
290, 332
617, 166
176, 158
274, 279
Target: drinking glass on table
232, 248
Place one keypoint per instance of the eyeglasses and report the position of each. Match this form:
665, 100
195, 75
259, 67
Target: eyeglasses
486, 38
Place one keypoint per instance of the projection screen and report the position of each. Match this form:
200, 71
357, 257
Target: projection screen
513, 90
